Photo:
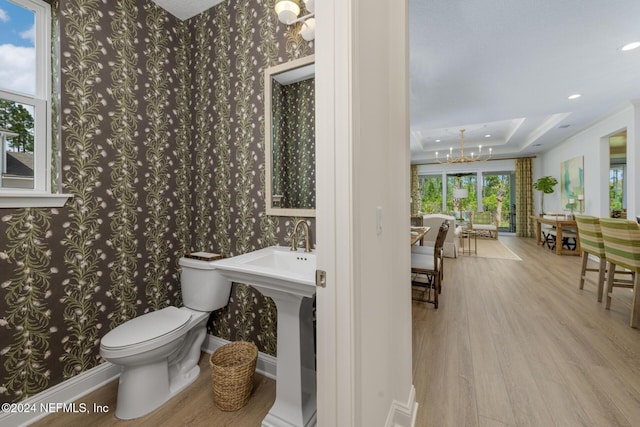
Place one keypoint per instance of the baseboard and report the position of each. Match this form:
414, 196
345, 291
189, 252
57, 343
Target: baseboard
52, 399
73, 389
266, 365
403, 414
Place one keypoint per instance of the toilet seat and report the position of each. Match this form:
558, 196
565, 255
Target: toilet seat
149, 330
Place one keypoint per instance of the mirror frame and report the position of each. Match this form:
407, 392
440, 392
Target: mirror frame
268, 137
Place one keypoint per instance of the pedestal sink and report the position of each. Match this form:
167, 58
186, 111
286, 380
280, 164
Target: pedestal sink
288, 277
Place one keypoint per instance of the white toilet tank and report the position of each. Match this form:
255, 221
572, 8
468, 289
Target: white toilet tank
203, 287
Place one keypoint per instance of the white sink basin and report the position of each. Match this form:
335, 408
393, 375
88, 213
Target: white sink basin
275, 267
287, 277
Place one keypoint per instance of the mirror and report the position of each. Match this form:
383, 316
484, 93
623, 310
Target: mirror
290, 159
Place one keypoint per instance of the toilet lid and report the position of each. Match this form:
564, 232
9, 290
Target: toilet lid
146, 327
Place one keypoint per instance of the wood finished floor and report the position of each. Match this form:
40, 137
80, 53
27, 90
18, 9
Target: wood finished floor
516, 343
192, 407
513, 343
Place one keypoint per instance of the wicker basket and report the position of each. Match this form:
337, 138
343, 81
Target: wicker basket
232, 369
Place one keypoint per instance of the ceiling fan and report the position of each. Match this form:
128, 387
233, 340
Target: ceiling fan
461, 174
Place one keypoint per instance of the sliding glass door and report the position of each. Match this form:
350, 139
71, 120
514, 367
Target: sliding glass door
498, 198
465, 181
486, 192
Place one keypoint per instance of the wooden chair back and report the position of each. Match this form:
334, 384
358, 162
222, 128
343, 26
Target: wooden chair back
422, 266
439, 245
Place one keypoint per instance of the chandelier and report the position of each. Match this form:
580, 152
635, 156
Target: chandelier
288, 11
462, 158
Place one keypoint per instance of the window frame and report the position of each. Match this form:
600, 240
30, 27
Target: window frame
41, 195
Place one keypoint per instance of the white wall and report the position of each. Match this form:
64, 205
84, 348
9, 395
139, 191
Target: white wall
381, 180
364, 313
593, 144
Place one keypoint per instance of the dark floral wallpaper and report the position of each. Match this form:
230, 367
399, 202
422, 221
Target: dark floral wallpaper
162, 147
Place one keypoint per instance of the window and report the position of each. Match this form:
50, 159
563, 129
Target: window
431, 193
25, 109
498, 197
616, 190
490, 191
467, 181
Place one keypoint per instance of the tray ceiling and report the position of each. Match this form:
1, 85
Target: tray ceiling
506, 69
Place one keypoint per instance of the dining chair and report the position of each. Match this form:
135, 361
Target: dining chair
591, 243
430, 250
427, 266
622, 248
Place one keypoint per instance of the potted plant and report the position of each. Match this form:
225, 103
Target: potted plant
545, 186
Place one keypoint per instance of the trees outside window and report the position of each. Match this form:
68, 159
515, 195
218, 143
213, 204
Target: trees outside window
496, 196
468, 181
616, 188
431, 186
16, 118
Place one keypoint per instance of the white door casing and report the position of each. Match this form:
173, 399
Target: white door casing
362, 153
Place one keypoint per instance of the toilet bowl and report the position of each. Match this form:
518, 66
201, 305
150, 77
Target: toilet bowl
159, 351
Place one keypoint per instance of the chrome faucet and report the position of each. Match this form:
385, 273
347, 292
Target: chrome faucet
307, 235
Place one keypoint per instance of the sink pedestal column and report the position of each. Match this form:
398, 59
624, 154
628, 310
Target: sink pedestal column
295, 404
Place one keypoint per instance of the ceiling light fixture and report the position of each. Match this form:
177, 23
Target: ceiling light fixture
574, 96
462, 158
630, 46
288, 11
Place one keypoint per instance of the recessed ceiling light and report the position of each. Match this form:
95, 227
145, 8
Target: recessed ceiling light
574, 96
563, 126
630, 46
487, 135
437, 140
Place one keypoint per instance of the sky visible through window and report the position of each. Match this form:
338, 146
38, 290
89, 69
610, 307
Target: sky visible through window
17, 48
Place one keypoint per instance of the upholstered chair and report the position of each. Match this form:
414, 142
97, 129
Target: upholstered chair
451, 241
622, 249
427, 266
591, 243
485, 224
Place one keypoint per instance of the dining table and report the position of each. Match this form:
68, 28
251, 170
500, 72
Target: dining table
417, 234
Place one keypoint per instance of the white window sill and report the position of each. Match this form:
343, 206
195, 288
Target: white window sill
32, 200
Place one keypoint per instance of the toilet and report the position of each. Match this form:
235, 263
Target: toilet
159, 351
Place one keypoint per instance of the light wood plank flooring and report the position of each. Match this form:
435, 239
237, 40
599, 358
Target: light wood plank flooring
513, 343
516, 343
193, 407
